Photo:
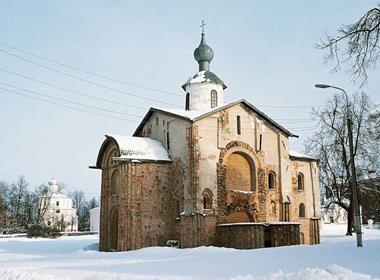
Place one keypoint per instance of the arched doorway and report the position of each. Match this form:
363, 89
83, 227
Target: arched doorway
240, 187
114, 227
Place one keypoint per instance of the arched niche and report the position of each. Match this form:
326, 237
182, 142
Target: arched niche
240, 172
237, 170
114, 228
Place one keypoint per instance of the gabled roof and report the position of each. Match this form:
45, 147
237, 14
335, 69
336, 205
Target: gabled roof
193, 116
135, 148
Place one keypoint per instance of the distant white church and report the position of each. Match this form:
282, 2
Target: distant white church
332, 213
57, 209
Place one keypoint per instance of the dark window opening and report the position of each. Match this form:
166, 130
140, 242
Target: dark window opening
302, 210
214, 98
187, 102
57, 203
300, 182
238, 125
261, 142
271, 180
167, 141
286, 212
177, 206
207, 201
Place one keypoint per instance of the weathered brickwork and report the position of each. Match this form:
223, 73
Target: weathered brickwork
258, 235
198, 230
233, 198
144, 202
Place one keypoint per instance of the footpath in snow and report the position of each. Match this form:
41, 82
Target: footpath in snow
77, 258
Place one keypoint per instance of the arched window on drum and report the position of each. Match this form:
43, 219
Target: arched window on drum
214, 99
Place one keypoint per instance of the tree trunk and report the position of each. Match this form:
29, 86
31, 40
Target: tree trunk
350, 219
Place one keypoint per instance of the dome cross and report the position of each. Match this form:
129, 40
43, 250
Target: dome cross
203, 26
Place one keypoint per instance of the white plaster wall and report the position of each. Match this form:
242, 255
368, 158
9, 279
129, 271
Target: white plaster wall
200, 95
212, 139
209, 156
230, 132
179, 149
94, 219
286, 167
317, 192
310, 195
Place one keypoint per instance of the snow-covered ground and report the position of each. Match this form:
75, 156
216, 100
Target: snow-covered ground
76, 258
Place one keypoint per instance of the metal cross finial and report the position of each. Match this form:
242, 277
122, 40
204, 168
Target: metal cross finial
203, 26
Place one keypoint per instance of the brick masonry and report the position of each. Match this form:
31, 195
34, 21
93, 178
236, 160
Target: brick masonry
258, 235
146, 212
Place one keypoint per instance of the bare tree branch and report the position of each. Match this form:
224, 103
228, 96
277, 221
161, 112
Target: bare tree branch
361, 47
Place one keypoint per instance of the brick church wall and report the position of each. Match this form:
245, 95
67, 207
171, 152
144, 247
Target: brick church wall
146, 210
156, 207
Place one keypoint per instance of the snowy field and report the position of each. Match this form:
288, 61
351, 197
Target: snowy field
76, 258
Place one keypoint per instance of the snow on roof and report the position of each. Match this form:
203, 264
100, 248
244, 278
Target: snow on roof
191, 115
299, 155
60, 195
140, 148
204, 76
55, 195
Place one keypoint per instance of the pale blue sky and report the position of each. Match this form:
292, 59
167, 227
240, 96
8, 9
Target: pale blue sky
264, 51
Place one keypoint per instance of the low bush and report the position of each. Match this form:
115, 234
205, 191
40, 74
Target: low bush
43, 231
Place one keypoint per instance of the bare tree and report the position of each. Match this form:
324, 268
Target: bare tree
330, 145
83, 207
4, 203
17, 195
375, 117
355, 44
79, 203
61, 186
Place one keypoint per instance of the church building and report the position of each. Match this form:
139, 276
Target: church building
57, 209
212, 173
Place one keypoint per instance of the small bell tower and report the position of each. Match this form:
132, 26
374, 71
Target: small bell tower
204, 90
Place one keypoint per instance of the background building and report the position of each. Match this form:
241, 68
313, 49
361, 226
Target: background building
56, 209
